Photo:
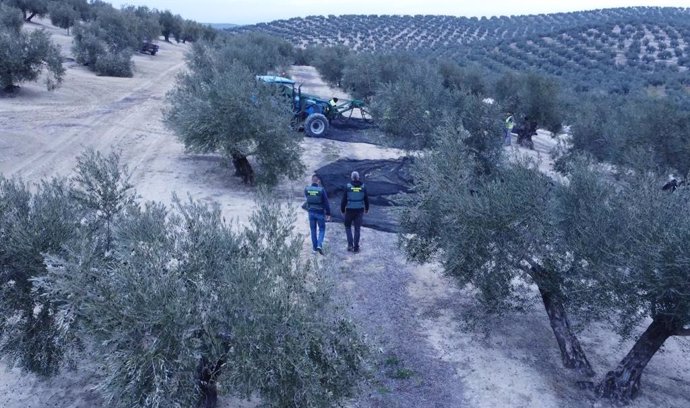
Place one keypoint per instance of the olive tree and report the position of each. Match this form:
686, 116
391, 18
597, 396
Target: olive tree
102, 189
143, 23
330, 62
624, 129
531, 95
170, 25
24, 56
184, 302
63, 15
634, 239
171, 302
260, 53
218, 106
492, 227
408, 109
10, 18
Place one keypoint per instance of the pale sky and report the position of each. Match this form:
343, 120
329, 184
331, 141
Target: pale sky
249, 12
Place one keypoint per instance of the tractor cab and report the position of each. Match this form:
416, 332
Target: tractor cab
288, 86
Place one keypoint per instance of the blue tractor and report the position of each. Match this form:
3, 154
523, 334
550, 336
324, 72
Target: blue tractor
312, 113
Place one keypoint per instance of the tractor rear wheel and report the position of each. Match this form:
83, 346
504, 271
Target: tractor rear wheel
316, 125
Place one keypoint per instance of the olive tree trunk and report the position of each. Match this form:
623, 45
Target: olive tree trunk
208, 383
623, 383
572, 354
571, 351
243, 168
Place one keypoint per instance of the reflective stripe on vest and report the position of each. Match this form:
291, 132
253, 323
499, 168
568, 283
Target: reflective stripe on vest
314, 198
510, 123
355, 197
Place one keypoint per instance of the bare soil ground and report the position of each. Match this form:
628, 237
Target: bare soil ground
412, 315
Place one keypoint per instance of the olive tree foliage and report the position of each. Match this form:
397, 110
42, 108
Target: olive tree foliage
409, 109
34, 220
29, 8
10, 18
420, 99
143, 23
634, 239
531, 95
184, 303
173, 303
634, 132
218, 106
193, 31
105, 43
63, 15
463, 79
82, 7
58, 214
330, 61
171, 25
102, 188
491, 225
260, 53
364, 73
24, 56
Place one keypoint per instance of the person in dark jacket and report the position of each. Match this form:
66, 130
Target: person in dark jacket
319, 212
354, 205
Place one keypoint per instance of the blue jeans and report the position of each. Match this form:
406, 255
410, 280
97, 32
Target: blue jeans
507, 137
317, 219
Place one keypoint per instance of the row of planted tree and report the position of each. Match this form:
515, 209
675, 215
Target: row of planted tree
105, 38
611, 49
602, 242
599, 241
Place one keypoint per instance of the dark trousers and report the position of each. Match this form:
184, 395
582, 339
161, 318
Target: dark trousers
353, 217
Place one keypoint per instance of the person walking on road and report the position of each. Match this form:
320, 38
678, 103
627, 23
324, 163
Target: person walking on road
319, 212
354, 205
508, 129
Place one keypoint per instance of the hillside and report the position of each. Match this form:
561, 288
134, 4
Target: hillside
222, 26
615, 49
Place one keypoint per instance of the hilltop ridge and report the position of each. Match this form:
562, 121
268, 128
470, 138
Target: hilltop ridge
615, 49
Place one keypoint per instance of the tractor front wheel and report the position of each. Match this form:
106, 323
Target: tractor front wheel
316, 125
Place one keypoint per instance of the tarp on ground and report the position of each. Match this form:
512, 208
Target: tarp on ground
386, 181
355, 130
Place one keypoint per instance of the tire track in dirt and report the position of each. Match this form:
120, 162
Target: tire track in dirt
104, 127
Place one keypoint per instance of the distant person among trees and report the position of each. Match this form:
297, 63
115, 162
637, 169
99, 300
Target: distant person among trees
354, 205
672, 184
526, 131
508, 129
319, 212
